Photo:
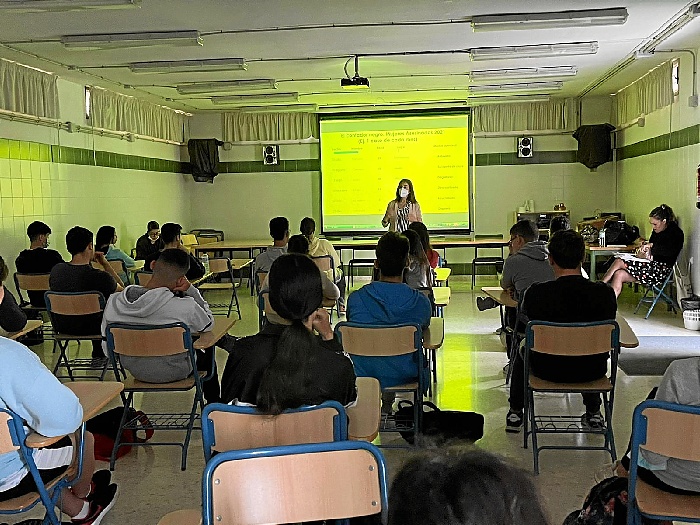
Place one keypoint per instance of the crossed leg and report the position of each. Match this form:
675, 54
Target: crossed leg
617, 275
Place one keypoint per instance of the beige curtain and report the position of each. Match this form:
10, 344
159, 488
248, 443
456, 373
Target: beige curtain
651, 92
119, 112
26, 90
242, 127
550, 115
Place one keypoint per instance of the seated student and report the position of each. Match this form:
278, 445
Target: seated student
168, 297
418, 274
562, 223
30, 390
38, 258
389, 301
422, 230
78, 276
279, 231
170, 235
319, 247
105, 240
570, 298
150, 242
287, 365
463, 488
12, 317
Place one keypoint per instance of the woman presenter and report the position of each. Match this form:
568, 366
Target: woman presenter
403, 210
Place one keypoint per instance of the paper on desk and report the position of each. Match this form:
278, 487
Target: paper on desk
616, 246
629, 257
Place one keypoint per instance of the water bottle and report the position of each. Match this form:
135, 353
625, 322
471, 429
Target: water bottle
205, 261
601, 237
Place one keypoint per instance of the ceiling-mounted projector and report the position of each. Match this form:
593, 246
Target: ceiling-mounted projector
356, 81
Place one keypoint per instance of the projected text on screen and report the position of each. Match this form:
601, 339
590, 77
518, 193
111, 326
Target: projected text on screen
363, 160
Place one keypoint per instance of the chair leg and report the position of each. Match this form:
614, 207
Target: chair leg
238, 305
533, 431
122, 421
609, 436
473, 275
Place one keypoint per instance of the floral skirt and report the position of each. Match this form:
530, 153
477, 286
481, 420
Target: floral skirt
648, 273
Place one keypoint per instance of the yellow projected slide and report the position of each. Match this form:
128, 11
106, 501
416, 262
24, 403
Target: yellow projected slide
363, 160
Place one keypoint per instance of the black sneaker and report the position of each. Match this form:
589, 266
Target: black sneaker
100, 481
514, 422
593, 421
485, 303
101, 504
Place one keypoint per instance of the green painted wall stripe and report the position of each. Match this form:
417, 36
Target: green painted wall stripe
676, 139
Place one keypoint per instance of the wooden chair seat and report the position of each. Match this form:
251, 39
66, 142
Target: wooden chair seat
402, 388
183, 384
28, 500
69, 337
364, 417
328, 303
661, 503
601, 385
216, 286
182, 517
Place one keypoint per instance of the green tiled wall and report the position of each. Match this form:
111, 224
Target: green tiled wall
676, 139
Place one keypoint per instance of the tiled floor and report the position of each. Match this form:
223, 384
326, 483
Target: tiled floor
470, 378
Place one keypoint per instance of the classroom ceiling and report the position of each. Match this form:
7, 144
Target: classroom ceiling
411, 51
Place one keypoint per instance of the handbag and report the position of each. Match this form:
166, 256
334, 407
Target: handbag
105, 426
440, 425
619, 232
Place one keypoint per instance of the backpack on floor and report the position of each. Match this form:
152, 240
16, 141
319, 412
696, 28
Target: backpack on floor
606, 504
441, 425
104, 428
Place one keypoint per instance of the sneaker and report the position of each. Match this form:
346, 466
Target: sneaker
485, 303
592, 421
514, 422
506, 368
101, 504
100, 481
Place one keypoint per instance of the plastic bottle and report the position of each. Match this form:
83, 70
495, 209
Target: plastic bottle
205, 261
601, 237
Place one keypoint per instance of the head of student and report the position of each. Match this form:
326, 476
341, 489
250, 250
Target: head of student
559, 223
106, 235
79, 240
170, 233
422, 230
169, 269
153, 230
298, 244
415, 246
405, 191
279, 228
567, 250
3, 270
521, 233
38, 232
660, 217
463, 488
392, 254
295, 295
307, 227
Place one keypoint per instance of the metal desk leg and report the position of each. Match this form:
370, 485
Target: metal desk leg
592, 275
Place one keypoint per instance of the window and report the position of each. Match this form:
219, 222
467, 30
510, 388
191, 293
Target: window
88, 95
675, 77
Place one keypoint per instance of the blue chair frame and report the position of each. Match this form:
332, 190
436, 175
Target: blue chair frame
639, 437
340, 420
422, 369
269, 452
48, 497
658, 292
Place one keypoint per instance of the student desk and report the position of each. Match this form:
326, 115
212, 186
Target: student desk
32, 324
503, 298
594, 250
93, 396
433, 337
206, 339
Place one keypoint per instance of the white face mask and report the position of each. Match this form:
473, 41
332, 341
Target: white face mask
403, 192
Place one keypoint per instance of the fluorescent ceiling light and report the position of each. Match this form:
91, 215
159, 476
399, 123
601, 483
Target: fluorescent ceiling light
290, 108
126, 40
226, 86
261, 98
534, 51
530, 86
561, 19
398, 106
518, 99
35, 6
523, 72
189, 66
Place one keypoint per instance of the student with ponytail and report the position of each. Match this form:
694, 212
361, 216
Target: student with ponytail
296, 361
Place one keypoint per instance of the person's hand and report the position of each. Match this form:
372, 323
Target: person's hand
511, 292
100, 258
321, 322
182, 285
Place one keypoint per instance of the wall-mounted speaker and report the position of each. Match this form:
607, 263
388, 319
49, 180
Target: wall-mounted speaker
271, 154
524, 147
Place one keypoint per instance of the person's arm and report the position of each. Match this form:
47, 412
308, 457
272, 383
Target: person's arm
389, 215
419, 215
122, 256
330, 290
201, 319
100, 258
141, 248
507, 276
12, 317
196, 270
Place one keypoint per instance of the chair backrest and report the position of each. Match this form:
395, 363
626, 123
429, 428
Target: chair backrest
206, 239
230, 427
188, 239
324, 262
377, 341
118, 266
220, 265
668, 429
259, 280
148, 340
74, 303
296, 483
573, 339
142, 278
30, 282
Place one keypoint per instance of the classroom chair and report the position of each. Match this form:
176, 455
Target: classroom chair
671, 430
325, 263
496, 261
221, 266
155, 341
569, 339
13, 437
658, 292
30, 282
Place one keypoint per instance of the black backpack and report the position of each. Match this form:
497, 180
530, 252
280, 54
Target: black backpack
606, 504
619, 232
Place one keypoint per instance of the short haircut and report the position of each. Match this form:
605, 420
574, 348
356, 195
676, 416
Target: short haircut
170, 231
526, 229
104, 236
279, 226
298, 244
392, 254
37, 228
559, 223
567, 249
152, 225
172, 263
78, 239
307, 226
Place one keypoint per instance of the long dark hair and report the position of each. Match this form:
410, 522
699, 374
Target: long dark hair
307, 227
295, 294
663, 213
422, 231
104, 237
463, 488
411, 196
416, 251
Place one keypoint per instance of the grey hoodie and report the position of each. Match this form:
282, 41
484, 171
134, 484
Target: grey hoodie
139, 305
528, 265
